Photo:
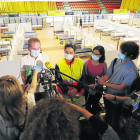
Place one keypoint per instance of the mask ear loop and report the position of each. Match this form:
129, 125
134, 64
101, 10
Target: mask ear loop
125, 56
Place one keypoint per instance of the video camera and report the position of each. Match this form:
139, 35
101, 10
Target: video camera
46, 80
46, 77
131, 106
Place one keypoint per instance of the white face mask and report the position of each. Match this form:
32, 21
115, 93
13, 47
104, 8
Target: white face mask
68, 56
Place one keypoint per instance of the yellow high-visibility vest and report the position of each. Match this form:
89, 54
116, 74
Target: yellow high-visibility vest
74, 70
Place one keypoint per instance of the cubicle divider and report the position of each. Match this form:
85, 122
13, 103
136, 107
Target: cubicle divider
18, 40
14, 42
87, 39
34, 19
134, 22
128, 30
11, 68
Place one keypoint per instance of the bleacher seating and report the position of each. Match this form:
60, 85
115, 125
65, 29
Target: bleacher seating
112, 4
60, 6
90, 6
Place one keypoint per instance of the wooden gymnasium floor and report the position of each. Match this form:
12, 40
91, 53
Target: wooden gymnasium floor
50, 45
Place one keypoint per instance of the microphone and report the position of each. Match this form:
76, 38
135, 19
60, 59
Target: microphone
49, 66
29, 74
39, 63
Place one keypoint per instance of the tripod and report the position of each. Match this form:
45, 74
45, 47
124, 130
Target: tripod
50, 90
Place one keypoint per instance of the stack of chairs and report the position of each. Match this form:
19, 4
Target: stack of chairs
112, 4
60, 6
82, 6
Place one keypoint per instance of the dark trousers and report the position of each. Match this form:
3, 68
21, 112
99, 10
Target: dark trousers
92, 102
113, 114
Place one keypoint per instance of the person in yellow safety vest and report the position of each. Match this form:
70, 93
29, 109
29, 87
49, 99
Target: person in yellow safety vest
71, 90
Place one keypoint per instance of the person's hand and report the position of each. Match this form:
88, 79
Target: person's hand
59, 96
36, 71
72, 92
38, 80
92, 92
92, 85
109, 96
100, 81
25, 87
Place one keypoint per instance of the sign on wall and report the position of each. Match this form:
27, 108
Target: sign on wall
55, 13
119, 11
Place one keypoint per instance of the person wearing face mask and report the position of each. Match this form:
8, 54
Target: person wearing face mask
118, 81
96, 66
71, 90
35, 58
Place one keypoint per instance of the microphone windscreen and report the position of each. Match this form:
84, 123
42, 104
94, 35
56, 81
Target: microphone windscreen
39, 63
29, 72
48, 65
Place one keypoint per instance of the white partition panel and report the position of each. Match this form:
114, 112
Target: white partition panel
18, 40
10, 68
26, 26
120, 16
129, 30
134, 21
110, 55
89, 40
58, 25
12, 27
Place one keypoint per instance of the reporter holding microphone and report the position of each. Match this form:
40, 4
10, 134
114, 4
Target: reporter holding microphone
14, 105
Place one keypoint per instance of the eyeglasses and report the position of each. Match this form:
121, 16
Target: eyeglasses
8, 80
95, 53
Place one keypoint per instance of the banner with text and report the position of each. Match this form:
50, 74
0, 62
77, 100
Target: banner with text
56, 13
119, 11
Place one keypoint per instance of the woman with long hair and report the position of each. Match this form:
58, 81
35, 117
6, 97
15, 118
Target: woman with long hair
51, 119
95, 67
14, 105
